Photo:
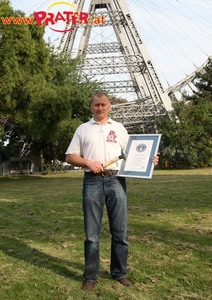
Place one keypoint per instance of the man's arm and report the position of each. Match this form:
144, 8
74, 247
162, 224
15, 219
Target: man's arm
79, 161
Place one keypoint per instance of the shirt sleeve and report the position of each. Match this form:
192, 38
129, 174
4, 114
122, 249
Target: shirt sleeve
74, 146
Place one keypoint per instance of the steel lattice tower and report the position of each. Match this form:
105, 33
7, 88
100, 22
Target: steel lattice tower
126, 55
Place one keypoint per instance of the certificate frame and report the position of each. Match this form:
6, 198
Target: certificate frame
139, 151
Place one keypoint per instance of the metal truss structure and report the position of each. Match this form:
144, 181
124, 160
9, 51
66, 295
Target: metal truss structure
187, 85
130, 113
124, 55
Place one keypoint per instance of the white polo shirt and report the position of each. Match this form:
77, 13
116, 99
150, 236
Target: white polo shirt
99, 142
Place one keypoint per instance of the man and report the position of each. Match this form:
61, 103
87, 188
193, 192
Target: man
95, 142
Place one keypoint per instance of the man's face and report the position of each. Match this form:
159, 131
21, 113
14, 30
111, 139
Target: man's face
100, 108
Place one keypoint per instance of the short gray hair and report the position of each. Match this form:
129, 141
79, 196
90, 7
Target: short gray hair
99, 94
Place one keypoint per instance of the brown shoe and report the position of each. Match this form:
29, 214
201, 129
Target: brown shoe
88, 285
125, 282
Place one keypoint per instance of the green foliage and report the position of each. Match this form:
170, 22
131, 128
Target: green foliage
42, 97
187, 134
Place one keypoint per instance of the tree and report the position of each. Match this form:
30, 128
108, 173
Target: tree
114, 100
187, 134
24, 61
42, 97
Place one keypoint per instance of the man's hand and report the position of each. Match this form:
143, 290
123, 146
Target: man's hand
95, 166
155, 159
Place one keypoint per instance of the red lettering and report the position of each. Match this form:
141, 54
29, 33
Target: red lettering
28, 20
50, 19
59, 17
75, 17
17, 20
103, 20
96, 21
68, 16
84, 17
6, 21
40, 16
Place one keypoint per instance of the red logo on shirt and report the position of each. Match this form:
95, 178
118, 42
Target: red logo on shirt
112, 137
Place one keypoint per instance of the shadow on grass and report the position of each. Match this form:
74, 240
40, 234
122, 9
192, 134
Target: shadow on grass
181, 238
19, 250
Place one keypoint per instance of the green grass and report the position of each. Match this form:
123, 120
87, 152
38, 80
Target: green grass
169, 233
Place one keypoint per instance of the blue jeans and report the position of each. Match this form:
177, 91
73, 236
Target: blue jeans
97, 192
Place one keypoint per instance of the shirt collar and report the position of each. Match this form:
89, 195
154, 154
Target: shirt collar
109, 121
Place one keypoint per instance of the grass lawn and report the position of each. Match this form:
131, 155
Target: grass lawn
169, 233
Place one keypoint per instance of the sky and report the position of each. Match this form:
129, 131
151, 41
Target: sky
176, 33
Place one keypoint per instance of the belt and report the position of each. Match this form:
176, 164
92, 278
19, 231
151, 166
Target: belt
104, 173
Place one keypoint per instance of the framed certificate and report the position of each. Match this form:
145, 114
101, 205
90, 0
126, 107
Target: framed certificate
139, 151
